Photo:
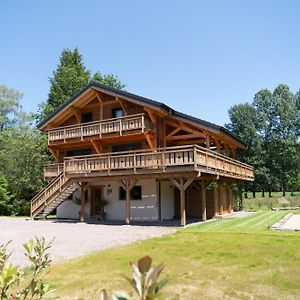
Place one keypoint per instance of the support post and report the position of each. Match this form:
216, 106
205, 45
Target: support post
203, 199
220, 200
182, 204
82, 203
127, 219
215, 196
127, 186
182, 186
229, 198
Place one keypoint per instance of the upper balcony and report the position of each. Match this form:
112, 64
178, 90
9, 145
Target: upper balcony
144, 162
127, 125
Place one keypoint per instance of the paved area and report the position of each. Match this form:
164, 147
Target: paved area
72, 239
292, 222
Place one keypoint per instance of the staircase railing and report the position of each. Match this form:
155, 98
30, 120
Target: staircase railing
44, 197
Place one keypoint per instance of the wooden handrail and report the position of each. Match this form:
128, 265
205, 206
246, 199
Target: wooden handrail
99, 128
192, 155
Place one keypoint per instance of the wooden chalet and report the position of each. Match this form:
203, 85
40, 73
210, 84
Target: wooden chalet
148, 161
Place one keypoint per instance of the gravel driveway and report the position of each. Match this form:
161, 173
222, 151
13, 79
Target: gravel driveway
72, 239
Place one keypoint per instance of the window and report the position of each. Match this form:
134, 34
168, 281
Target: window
135, 193
126, 147
79, 152
117, 112
86, 117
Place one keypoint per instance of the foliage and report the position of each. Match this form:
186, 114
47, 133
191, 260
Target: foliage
109, 80
69, 78
11, 276
9, 106
144, 281
22, 156
270, 128
5, 206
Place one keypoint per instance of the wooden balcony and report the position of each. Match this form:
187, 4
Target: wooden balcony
100, 129
168, 160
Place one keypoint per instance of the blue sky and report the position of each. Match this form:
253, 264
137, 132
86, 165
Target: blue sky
200, 57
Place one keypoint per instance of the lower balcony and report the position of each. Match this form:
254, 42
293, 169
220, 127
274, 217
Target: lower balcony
146, 162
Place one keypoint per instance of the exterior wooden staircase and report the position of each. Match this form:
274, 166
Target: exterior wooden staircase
56, 192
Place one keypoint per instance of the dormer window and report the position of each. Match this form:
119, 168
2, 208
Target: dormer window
117, 112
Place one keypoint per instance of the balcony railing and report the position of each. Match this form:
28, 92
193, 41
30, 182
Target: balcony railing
52, 170
118, 126
171, 159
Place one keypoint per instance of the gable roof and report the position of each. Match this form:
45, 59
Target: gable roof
142, 101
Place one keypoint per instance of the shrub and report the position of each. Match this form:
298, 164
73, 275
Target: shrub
11, 276
144, 281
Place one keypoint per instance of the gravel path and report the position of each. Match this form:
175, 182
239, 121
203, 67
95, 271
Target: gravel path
72, 239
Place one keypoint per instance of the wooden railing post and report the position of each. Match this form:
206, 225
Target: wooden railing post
143, 123
120, 126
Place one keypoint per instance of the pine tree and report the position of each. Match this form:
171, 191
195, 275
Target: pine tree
68, 79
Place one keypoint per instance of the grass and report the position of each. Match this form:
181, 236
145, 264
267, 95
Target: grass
227, 258
266, 203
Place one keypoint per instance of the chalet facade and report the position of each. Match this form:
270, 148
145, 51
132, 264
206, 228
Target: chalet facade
148, 161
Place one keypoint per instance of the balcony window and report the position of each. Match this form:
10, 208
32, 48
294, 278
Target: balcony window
117, 112
135, 193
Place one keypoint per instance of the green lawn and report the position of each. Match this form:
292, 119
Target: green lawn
228, 258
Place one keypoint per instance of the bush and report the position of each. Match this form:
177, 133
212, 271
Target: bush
11, 276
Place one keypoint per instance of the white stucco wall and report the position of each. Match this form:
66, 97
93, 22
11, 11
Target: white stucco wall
145, 209
70, 210
167, 200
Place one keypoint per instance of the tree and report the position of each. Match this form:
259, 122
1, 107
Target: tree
22, 157
9, 106
244, 122
109, 80
270, 127
69, 78
5, 205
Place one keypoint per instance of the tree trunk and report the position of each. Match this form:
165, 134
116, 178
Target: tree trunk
253, 194
263, 193
270, 193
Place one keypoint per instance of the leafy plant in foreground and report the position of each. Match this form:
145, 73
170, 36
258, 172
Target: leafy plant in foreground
145, 281
11, 276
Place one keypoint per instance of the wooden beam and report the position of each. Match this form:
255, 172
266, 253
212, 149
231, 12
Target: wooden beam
203, 200
189, 142
55, 153
100, 99
150, 141
184, 136
215, 198
82, 202
182, 186
207, 141
123, 105
127, 185
182, 204
174, 132
76, 112
97, 147
220, 196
